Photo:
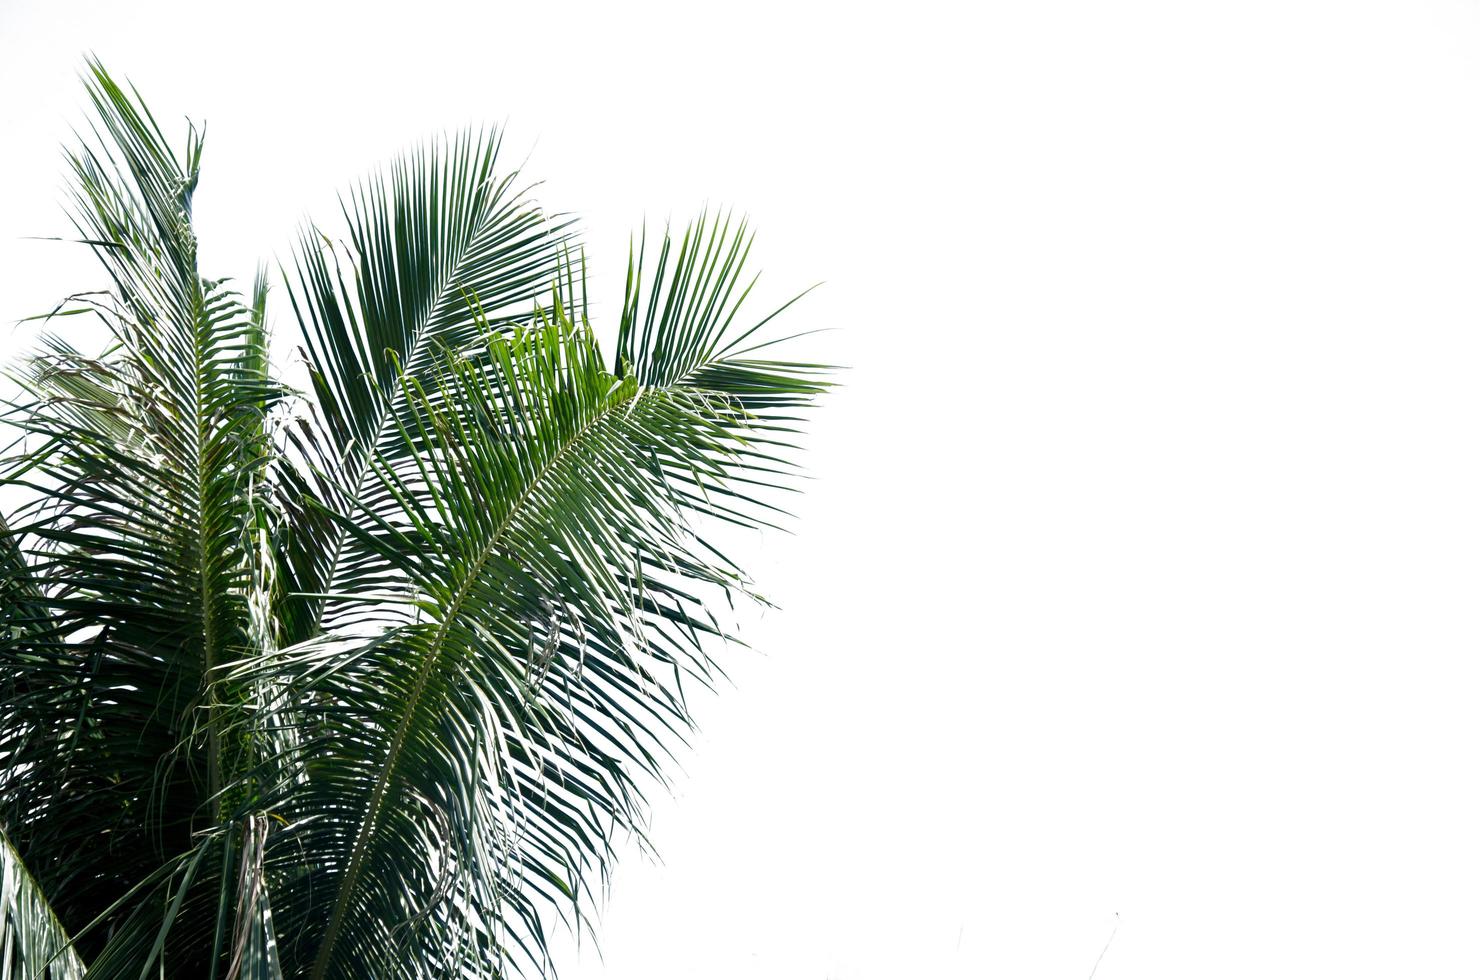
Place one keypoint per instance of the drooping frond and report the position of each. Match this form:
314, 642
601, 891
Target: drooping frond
33, 944
371, 688
254, 954
508, 650
145, 464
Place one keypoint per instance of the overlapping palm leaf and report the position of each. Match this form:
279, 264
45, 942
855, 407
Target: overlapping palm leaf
146, 461
421, 238
367, 688
33, 943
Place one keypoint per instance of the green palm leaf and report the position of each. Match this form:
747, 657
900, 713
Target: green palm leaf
363, 681
146, 462
437, 227
539, 579
33, 945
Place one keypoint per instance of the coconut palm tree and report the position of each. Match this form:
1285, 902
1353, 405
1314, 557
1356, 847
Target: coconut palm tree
361, 678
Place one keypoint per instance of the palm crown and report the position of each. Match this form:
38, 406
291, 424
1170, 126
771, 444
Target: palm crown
361, 680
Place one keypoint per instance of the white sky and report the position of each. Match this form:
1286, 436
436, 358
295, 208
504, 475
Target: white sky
1140, 573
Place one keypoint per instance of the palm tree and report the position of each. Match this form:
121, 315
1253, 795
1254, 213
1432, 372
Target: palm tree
362, 680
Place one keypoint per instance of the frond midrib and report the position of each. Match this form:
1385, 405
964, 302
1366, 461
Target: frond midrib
424, 673
392, 403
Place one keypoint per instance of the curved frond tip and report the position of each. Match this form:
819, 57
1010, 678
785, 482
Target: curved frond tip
366, 680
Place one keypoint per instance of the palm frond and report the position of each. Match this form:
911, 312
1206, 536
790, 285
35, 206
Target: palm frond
33, 944
254, 954
508, 653
145, 463
369, 688
439, 226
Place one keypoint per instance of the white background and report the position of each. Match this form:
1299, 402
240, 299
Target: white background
1140, 572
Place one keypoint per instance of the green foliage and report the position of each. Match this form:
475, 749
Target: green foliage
362, 681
